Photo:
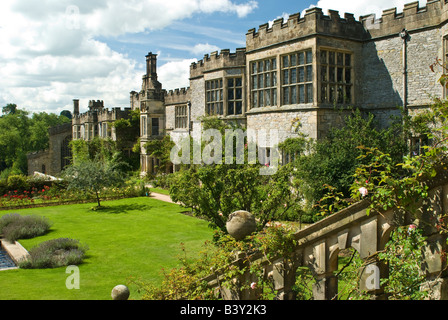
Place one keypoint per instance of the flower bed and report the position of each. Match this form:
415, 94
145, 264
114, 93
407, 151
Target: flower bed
57, 196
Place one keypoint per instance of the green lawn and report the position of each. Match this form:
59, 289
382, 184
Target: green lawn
131, 238
160, 190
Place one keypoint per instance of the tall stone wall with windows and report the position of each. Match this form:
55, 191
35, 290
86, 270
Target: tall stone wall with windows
377, 69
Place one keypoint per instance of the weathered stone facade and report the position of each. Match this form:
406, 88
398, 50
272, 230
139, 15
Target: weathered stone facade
306, 68
97, 121
53, 160
301, 71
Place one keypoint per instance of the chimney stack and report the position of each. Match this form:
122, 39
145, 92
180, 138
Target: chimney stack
75, 107
151, 66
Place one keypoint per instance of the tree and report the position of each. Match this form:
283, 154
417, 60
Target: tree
21, 133
66, 113
10, 108
160, 149
14, 128
93, 175
215, 191
330, 163
38, 127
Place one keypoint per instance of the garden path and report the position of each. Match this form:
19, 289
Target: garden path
162, 197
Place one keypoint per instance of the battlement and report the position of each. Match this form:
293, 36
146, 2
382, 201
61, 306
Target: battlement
214, 61
412, 18
314, 22
177, 96
296, 27
96, 105
114, 114
100, 114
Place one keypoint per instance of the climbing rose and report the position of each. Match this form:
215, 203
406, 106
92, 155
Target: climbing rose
412, 227
363, 191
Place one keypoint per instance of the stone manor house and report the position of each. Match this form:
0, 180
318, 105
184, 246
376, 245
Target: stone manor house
300, 71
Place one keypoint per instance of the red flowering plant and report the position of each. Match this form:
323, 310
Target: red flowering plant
26, 197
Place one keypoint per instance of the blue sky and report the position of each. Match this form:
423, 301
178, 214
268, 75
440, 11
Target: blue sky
54, 51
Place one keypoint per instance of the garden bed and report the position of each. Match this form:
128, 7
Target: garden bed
131, 238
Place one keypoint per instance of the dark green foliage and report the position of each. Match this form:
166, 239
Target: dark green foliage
160, 149
215, 191
333, 161
14, 226
20, 134
55, 253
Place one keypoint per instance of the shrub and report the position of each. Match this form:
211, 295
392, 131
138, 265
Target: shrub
18, 182
14, 226
55, 253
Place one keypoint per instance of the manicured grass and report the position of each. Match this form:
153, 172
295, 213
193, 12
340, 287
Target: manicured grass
130, 238
160, 190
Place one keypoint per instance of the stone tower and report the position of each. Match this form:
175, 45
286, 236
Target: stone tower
150, 101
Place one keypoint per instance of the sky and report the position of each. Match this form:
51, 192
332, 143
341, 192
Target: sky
54, 51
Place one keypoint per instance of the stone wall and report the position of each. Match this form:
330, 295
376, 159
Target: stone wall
386, 71
218, 61
423, 49
285, 122
51, 159
197, 87
382, 84
381, 67
39, 162
300, 28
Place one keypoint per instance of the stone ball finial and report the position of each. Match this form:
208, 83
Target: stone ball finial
241, 224
120, 292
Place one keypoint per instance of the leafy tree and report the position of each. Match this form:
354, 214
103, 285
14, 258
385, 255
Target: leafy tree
66, 113
21, 133
93, 175
10, 108
14, 128
160, 149
330, 163
215, 191
39, 125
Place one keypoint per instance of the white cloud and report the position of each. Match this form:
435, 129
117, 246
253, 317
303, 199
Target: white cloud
285, 17
363, 7
175, 74
121, 17
51, 53
203, 48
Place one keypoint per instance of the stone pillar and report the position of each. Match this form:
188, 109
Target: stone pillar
374, 270
326, 285
434, 266
282, 274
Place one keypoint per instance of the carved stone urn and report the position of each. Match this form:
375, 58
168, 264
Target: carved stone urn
241, 224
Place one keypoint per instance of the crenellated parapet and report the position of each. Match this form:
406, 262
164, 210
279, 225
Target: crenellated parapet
177, 96
216, 61
107, 115
296, 28
97, 113
86, 117
315, 22
412, 18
